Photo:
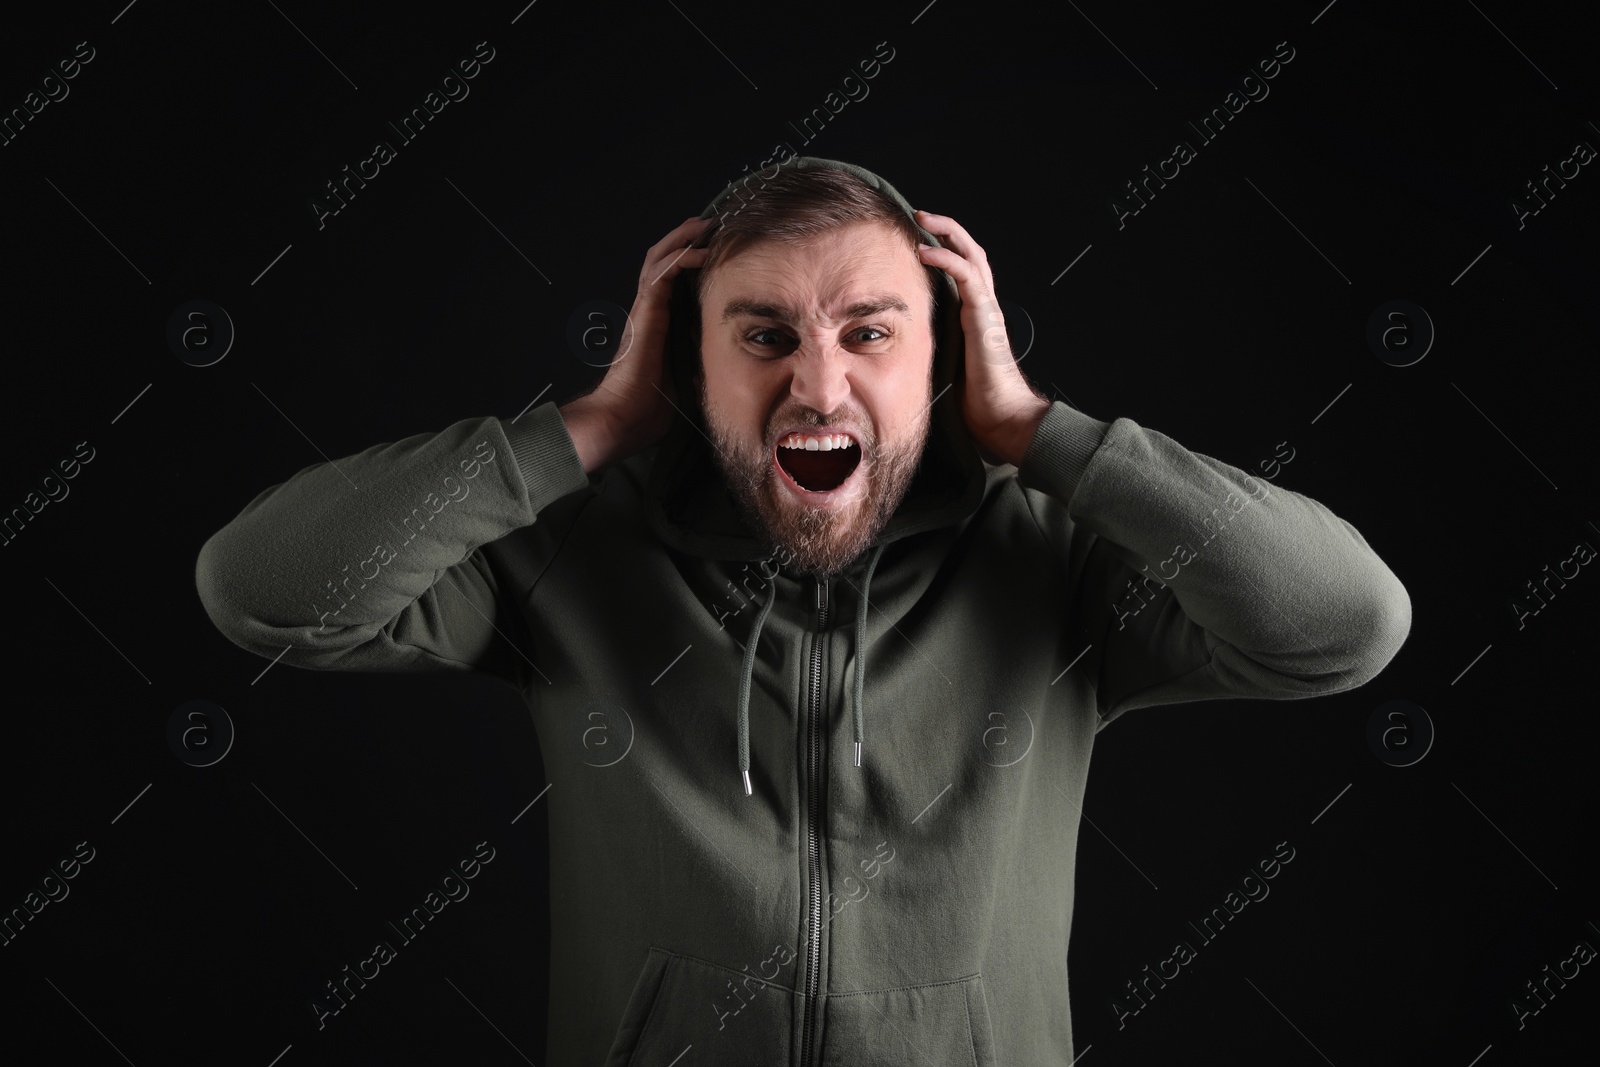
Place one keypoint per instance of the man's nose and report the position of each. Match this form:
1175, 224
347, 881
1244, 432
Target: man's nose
819, 376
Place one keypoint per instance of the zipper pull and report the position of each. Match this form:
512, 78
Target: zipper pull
822, 595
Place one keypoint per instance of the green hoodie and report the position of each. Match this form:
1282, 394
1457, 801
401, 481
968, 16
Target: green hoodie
897, 885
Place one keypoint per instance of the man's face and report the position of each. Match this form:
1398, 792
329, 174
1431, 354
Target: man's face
809, 341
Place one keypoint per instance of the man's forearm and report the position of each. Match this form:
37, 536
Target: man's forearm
329, 558
1271, 572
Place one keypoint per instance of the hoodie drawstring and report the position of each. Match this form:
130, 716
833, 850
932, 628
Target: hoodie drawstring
861, 647
748, 669
744, 688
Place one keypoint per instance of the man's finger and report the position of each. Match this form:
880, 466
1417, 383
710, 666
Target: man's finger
680, 235
960, 241
973, 285
957, 236
682, 259
949, 261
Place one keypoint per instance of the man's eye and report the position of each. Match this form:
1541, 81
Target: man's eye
766, 337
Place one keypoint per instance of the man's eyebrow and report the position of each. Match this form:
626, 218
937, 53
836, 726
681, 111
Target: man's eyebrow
870, 305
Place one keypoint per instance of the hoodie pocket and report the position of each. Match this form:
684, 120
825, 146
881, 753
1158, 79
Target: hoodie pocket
943, 1024
681, 1003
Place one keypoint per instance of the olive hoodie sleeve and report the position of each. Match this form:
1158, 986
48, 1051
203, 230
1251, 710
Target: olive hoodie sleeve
374, 562
1188, 579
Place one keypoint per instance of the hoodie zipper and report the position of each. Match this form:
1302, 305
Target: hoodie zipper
813, 817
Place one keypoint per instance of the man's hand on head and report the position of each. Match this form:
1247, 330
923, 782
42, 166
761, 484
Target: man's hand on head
635, 403
1001, 409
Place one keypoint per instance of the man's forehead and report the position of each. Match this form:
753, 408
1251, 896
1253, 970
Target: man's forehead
846, 273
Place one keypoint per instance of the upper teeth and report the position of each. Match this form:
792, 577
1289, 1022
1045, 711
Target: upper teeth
825, 443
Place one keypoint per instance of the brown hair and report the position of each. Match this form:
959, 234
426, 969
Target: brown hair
796, 204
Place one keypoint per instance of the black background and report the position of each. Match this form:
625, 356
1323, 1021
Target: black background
1229, 313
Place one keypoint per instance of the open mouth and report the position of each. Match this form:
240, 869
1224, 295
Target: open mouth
818, 463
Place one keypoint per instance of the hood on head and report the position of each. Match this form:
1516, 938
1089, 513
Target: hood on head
690, 504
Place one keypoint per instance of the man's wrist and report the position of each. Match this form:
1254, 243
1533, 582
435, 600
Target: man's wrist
591, 433
1020, 431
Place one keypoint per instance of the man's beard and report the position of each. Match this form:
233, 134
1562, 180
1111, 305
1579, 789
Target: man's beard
813, 541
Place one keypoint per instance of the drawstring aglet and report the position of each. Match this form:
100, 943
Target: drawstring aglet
746, 776
858, 753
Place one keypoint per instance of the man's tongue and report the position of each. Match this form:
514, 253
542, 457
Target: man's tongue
819, 471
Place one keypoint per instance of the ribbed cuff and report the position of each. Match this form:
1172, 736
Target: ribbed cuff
1060, 451
545, 454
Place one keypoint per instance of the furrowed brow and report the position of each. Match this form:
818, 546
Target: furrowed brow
859, 310
756, 309
876, 306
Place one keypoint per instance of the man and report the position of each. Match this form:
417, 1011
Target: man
762, 852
